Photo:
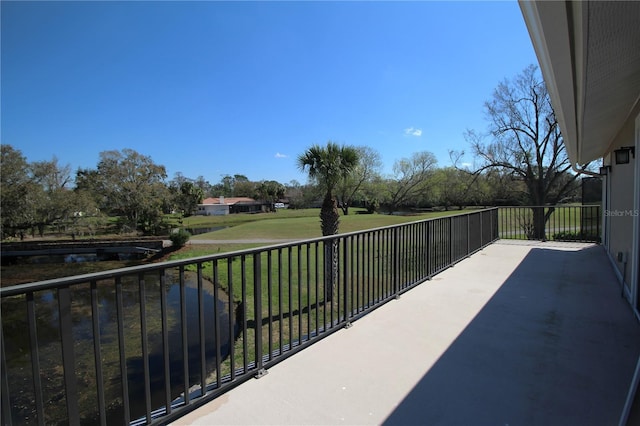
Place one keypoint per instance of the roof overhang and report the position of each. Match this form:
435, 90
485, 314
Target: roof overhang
589, 55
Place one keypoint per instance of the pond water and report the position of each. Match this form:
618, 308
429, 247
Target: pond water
47, 320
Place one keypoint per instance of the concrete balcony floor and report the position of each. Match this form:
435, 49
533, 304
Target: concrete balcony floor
520, 333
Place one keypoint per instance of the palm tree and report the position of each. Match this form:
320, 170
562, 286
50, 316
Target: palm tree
328, 166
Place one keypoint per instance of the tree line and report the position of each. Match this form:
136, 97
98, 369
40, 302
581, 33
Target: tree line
519, 160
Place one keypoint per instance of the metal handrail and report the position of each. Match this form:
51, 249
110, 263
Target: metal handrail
553, 222
198, 327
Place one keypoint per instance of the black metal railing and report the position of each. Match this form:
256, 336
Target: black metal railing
559, 223
145, 345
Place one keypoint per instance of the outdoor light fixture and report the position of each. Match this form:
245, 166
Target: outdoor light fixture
604, 170
622, 154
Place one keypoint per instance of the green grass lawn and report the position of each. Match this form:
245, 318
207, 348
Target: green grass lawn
297, 224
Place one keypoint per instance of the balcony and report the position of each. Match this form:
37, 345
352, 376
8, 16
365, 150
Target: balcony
523, 333
434, 322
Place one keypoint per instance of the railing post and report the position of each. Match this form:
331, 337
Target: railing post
257, 302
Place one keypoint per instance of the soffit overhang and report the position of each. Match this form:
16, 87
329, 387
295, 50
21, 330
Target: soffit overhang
589, 56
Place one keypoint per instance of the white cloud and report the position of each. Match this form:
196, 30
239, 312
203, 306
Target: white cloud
466, 165
278, 155
413, 132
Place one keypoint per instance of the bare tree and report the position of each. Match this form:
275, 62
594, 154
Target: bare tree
411, 180
524, 141
366, 171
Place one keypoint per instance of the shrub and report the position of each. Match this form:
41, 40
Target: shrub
576, 236
179, 238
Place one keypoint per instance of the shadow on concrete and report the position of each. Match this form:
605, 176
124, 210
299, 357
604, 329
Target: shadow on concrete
556, 345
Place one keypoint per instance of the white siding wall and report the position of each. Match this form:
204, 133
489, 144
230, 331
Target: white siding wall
621, 211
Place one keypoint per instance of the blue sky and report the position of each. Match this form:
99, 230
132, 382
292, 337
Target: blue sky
216, 88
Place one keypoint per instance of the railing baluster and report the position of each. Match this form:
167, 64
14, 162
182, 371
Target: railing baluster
424, 238
165, 340
317, 283
97, 353
308, 258
280, 295
68, 356
384, 260
335, 286
352, 281
299, 294
482, 243
358, 278
336, 275
388, 259
35, 358
185, 337
124, 377
409, 264
201, 335
396, 262
216, 322
5, 404
232, 319
428, 251
243, 280
381, 260
145, 348
257, 300
270, 302
404, 258
345, 277
467, 235
367, 270
290, 293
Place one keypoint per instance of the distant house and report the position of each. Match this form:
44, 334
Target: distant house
219, 206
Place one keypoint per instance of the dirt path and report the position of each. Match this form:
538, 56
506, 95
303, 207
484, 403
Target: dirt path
247, 241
